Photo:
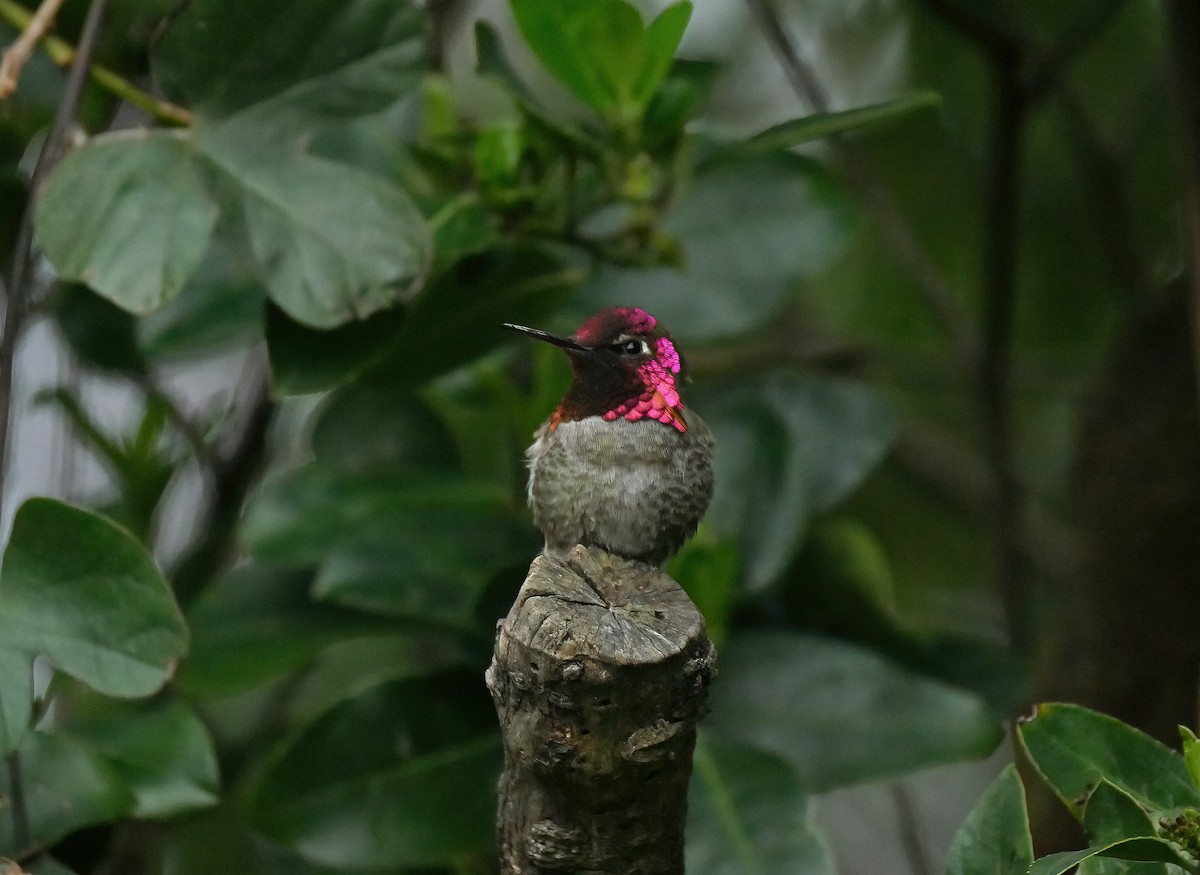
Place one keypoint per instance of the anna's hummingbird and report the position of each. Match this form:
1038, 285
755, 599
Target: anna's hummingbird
619, 464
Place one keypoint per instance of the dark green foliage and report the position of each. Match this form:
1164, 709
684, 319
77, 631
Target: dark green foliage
341, 198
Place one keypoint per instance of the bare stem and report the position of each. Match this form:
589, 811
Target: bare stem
233, 477
18, 53
995, 366
910, 830
1183, 21
16, 802
18, 279
63, 54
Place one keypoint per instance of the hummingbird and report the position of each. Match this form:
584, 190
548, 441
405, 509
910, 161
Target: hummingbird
620, 464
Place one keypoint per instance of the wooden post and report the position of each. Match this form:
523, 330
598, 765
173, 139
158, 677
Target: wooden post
599, 675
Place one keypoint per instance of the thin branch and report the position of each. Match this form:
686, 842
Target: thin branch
975, 24
910, 830
1183, 23
1112, 215
16, 802
22, 263
22, 48
800, 73
63, 54
1049, 70
178, 418
893, 226
995, 366
233, 476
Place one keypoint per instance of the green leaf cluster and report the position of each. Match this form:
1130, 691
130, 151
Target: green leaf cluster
338, 198
1136, 799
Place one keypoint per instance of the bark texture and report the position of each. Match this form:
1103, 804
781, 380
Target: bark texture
599, 675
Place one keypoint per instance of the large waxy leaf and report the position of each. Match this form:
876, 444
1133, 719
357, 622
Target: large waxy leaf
329, 57
305, 360
1074, 749
750, 230
601, 50
748, 815
162, 751
788, 447
130, 215
330, 243
1112, 815
839, 713
467, 305
257, 623
67, 786
994, 839
403, 775
387, 545
100, 611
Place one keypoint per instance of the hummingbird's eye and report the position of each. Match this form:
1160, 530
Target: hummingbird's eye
632, 347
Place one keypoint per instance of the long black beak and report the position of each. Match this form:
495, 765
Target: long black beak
538, 334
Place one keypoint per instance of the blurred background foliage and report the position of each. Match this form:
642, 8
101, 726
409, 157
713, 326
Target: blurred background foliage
925, 258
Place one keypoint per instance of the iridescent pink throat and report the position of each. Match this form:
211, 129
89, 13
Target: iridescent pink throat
660, 398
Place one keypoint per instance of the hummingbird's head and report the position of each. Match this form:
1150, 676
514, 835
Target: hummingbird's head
624, 365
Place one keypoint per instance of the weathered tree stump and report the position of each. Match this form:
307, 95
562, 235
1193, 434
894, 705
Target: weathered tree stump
599, 675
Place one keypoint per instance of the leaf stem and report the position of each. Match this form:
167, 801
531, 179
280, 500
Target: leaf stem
16, 55
16, 802
22, 262
63, 54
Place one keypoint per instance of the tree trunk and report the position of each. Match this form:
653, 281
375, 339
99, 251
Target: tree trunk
599, 675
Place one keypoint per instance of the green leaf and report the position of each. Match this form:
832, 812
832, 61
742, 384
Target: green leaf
840, 586
748, 815
220, 305
331, 243
994, 839
764, 223
1111, 815
306, 360
839, 713
790, 448
67, 787
161, 750
710, 573
1191, 753
828, 124
100, 333
458, 317
324, 58
347, 669
100, 611
370, 430
492, 62
1150, 850
601, 50
16, 697
662, 38
403, 775
130, 215
257, 623
389, 545
1074, 748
